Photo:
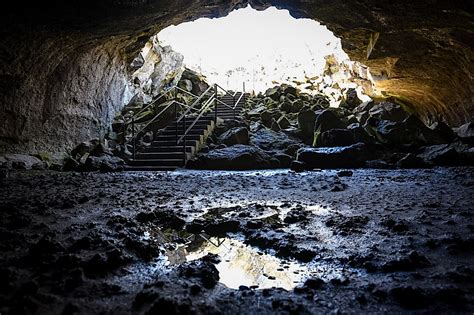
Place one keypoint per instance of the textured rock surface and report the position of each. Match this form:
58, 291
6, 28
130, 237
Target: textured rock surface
64, 65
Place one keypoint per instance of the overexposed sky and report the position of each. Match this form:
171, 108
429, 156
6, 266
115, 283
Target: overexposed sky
253, 46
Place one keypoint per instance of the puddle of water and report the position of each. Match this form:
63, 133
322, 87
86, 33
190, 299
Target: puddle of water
243, 265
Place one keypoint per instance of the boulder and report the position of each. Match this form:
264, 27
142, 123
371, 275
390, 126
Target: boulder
274, 125
351, 100
284, 159
83, 148
412, 161
266, 117
273, 93
70, 164
104, 163
228, 124
293, 148
466, 132
336, 157
198, 82
296, 106
236, 157
285, 106
442, 155
288, 89
388, 111
344, 137
283, 122
255, 113
270, 140
298, 166
325, 121
444, 131
21, 161
100, 149
410, 131
186, 85
361, 112
237, 135
306, 119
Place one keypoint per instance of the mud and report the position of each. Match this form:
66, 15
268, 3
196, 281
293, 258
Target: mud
237, 242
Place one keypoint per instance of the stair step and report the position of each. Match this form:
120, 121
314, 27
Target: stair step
166, 149
195, 132
161, 156
167, 143
188, 123
164, 154
173, 137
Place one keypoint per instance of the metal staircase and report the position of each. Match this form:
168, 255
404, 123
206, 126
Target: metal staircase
186, 134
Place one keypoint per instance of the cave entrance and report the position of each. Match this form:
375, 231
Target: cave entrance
291, 67
267, 48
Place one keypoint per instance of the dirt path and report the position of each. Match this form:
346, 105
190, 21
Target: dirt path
216, 242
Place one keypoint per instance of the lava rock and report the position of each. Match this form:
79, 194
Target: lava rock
284, 159
298, 166
443, 155
104, 163
412, 161
306, 119
238, 135
326, 120
351, 100
388, 111
444, 131
410, 131
343, 137
21, 161
336, 157
271, 141
237, 157
466, 132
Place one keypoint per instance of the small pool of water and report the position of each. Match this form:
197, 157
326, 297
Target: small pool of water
242, 265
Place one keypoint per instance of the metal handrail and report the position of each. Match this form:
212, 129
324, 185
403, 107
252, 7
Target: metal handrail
238, 101
159, 97
193, 104
203, 110
226, 92
150, 121
152, 103
187, 92
205, 106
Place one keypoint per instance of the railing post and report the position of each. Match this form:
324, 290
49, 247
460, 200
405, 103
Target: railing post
133, 136
176, 121
234, 105
215, 104
184, 140
243, 87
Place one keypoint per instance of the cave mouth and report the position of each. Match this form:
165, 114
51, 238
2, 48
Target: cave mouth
256, 50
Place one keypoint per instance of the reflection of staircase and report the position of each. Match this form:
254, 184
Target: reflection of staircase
167, 150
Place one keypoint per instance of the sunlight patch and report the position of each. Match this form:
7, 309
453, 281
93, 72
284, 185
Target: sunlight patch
265, 48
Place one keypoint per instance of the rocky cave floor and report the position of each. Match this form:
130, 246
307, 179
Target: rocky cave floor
344, 241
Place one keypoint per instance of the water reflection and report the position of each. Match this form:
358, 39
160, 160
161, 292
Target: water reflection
241, 264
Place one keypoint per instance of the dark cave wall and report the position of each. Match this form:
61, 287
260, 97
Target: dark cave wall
62, 93
64, 64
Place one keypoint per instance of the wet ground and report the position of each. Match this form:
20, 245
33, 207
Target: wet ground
237, 242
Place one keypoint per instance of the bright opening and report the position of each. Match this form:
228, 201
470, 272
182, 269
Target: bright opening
266, 48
